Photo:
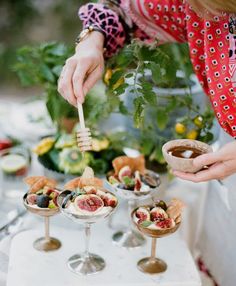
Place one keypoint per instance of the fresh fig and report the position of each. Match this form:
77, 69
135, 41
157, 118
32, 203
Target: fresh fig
149, 180
31, 199
42, 201
124, 172
109, 200
138, 183
88, 204
158, 214
161, 204
142, 214
166, 223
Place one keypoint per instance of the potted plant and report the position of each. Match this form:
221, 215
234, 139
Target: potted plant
156, 87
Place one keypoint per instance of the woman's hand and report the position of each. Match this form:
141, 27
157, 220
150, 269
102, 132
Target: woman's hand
83, 69
222, 164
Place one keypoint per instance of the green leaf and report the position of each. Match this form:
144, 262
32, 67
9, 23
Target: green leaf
139, 104
156, 72
46, 73
162, 119
128, 181
146, 223
146, 146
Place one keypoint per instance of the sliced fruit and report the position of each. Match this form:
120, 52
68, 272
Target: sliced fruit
5, 144
167, 223
99, 145
88, 204
42, 201
31, 199
44, 146
161, 204
109, 200
124, 172
158, 214
112, 180
12, 163
52, 205
138, 183
149, 180
142, 214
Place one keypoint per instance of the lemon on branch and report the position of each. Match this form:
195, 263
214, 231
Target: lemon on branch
180, 128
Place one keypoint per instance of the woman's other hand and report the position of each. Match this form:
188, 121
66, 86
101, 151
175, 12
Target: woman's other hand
222, 164
83, 69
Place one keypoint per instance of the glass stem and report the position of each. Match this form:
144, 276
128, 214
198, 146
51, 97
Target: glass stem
87, 239
131, 204
47, 237
153, 250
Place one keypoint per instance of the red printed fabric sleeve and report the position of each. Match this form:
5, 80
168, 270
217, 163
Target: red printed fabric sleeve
100, 16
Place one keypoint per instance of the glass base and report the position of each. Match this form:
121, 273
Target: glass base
129, 239
86, 265
152, 265
43, 244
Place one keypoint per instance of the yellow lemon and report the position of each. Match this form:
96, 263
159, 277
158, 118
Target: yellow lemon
192, 134
44, 146
180, 128
198, 121
107, 76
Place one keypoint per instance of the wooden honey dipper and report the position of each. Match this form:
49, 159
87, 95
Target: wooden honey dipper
83, 135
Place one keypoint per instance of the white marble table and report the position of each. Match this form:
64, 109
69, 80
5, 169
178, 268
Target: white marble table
29, 267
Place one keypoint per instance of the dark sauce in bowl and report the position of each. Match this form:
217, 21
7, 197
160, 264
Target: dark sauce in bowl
185, 152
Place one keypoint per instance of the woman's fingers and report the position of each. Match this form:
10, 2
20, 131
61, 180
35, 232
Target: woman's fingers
92, 78
216, 171
207, 159
65, 87
78, 81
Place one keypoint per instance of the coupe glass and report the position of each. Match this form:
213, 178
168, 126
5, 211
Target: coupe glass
152, 264
130, 238
45, 243
84, 263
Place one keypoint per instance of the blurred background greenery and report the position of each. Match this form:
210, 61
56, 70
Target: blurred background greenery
29, 22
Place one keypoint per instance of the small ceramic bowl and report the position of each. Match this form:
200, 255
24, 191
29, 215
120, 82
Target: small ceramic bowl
184, 164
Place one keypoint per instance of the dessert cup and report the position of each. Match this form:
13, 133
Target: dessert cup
85, 263
45, 243
131, 238
152, 264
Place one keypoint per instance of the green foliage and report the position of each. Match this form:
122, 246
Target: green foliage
41, 65
145, 68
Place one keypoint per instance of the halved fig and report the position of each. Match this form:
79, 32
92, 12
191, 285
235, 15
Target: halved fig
138, 183
142, 214
88, 204
167, 223
158, 214
149, 180
124, 172
31, 199
109, 200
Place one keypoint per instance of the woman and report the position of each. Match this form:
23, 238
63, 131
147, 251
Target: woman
208, 33
209, 28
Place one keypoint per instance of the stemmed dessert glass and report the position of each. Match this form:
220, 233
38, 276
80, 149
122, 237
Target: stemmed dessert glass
152, 264
130, 238
45, 243
84, 263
